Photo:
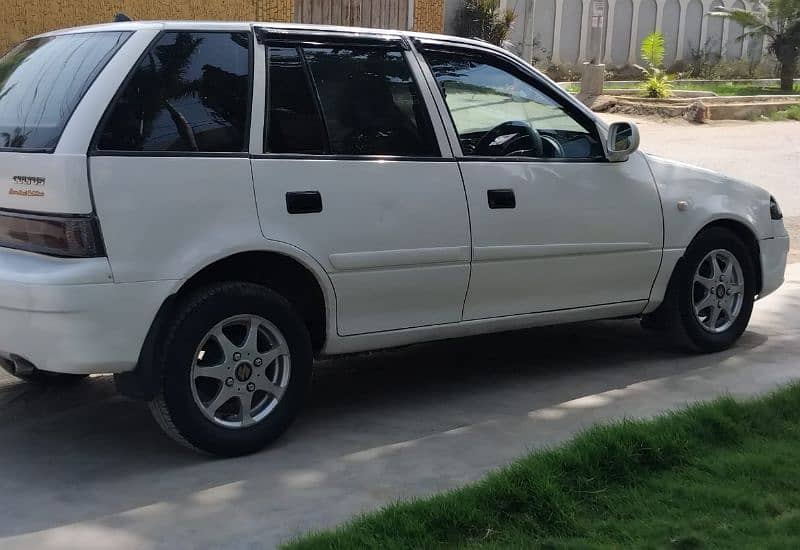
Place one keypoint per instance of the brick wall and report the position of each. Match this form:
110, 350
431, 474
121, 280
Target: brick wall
429, 15
20, 19
274, 10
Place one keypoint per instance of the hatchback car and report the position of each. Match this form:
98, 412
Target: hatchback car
202, 209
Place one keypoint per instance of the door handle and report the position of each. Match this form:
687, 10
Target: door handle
303, 202
501, 198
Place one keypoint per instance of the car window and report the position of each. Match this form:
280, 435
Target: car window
294, 124
498, 113
43, 79
370, 102
190, 92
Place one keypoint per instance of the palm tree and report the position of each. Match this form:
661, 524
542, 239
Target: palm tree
780, 22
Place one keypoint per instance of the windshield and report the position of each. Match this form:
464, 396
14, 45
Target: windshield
41, 82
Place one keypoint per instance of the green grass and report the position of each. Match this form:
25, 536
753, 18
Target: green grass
720, 88
719, 475
792, 113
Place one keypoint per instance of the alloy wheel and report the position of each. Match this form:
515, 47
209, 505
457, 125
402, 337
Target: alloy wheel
240, 371
717, 291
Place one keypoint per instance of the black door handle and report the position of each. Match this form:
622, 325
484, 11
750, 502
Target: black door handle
501, 198
303, 202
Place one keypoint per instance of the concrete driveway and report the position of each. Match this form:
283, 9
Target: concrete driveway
83, 468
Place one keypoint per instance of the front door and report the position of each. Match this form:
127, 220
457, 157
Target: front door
353, 173
554, 224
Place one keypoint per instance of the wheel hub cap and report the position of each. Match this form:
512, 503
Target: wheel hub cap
243, 372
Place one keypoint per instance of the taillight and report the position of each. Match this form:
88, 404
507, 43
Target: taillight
70, 236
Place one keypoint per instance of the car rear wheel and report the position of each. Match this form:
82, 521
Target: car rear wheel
710, 297
237, 363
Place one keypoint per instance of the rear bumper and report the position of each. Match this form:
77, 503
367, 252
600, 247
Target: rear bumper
773, 263
64, 315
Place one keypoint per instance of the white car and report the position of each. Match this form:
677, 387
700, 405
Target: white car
204, 208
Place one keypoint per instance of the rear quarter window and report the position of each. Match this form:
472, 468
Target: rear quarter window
43, 79
190, 93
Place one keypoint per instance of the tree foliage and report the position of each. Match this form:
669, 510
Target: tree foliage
653, 49
780, 23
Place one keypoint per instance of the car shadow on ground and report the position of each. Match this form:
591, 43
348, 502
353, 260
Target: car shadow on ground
83, 446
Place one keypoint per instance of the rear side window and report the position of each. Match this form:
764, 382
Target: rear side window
43, 79
348, 100
190, 92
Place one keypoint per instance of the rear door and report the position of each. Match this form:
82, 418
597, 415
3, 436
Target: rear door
354, 171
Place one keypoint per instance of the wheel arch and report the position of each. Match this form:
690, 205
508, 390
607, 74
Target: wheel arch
748, 237
738, 227
305, 286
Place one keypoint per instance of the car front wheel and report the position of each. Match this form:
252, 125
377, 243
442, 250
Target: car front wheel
237, 362
710, 299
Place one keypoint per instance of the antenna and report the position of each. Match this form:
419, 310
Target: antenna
121, 18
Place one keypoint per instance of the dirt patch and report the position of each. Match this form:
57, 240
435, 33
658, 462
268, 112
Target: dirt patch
694, 110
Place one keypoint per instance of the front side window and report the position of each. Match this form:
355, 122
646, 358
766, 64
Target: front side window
190, 92
346, 100
498, 113
43, 79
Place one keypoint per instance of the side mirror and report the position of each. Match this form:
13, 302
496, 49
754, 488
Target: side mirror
623, 140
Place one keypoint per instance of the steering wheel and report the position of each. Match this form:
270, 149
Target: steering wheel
558, 150
505, 138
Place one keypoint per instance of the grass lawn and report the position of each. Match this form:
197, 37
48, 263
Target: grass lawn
719, 475
720, 88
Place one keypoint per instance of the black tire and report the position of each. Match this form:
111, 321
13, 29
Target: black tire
676, 314
174, 408
53, 379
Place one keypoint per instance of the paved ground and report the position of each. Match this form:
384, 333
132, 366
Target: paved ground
83, 468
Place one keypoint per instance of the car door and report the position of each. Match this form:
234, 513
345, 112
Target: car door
352, 171
554, 224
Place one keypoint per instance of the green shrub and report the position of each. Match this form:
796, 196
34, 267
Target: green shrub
703, 63
656, 83
485, 19
792, 113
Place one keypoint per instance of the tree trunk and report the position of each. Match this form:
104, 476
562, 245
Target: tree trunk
787, 77
788, 65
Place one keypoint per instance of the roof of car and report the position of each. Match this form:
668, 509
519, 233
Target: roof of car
243, 25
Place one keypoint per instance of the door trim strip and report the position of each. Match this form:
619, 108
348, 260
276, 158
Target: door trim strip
527, 251
349, 261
